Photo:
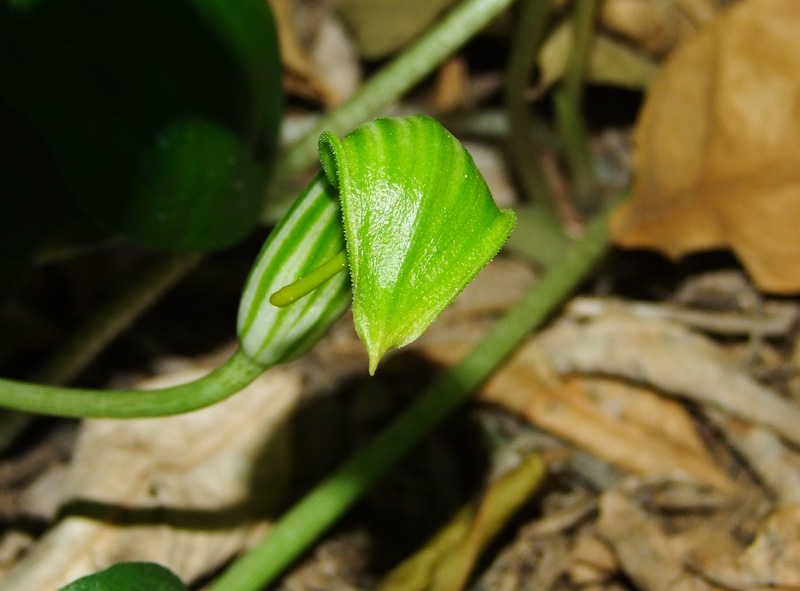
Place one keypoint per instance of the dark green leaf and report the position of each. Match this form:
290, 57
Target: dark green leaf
129, 576
161, 114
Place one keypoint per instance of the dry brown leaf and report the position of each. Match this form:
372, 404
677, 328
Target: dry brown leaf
625, 425
772, 561
672, 359
776, 465
186, 491
591, 560
452, 83
446, 562
301, 77
656, 25
717, 147
642, 547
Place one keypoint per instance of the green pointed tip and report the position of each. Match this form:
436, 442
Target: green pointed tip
375, 357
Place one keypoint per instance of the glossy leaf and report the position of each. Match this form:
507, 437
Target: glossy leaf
307, 236
160, 114
129, 576
419, 222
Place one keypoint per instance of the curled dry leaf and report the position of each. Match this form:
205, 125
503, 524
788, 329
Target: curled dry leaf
625, 425
656, 25
717, 145
776, 464
672, 359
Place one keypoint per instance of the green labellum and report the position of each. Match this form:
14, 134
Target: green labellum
419, 223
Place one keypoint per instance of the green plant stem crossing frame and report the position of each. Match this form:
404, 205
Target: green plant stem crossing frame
226, 380
322, 507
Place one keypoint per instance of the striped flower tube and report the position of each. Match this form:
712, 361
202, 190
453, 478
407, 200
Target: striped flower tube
308, 235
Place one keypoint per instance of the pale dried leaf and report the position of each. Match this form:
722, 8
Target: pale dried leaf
185, 491
656, 25
642, 547
303, 77
591, 560
776, 465
672, 359
717, 145
625, 425
772, 561
335, 59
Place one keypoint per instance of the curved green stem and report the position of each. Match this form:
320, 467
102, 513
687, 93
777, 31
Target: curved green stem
416, 62
305, 285
226, 380
102, 327
324, 505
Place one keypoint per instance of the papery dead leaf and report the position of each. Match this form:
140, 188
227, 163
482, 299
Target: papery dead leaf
591, 560
772, 561
718, 144
656, 25
301, 77
673, 360
776, 464
186, 491
642, 547
623, 424
446, 562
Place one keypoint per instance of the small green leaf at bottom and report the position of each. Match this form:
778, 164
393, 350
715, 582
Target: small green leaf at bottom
419, 222
129, 576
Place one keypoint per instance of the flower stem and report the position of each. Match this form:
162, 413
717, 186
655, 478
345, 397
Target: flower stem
568, 102
226, 380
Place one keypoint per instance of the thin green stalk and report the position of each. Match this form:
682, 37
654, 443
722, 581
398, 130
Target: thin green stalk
529, 33
582, 33
524, 151
324, 505
575, 144
221, 383
568, 103
419, 60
